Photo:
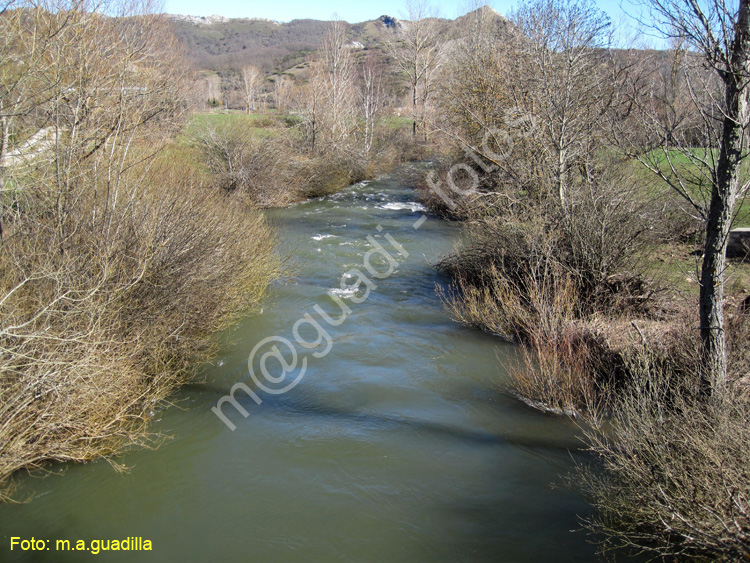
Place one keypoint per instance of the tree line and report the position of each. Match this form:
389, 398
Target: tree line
576, 166
117, 262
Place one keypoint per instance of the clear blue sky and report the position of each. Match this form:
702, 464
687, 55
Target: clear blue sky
353, 12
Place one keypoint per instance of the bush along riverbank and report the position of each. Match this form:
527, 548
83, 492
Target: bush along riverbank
586, 240
267, 160
116, 266
130, 230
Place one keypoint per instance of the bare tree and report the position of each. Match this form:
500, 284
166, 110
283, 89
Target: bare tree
27, 37
328, 100
282, 86
719, 31
337, 64
417, 53
310, 103
562, 83
250, 83
213, 89
371, 101
531, 97
109, 81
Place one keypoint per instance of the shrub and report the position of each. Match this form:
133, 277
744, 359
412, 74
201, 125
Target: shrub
271, 171
675, 472
117, 265
537, 275
557, 370
240, 161
105, 310
598, 244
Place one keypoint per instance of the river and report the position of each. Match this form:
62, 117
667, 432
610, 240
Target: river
399, 444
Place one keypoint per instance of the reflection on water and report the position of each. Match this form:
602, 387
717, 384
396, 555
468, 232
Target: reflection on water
398, 445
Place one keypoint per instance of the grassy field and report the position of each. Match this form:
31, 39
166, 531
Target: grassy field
398, 121
264, 125
677, 265
686, 168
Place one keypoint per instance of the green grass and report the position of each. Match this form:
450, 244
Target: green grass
397, 122
252, 119
687, 168
10, 192
264, 125
674, 266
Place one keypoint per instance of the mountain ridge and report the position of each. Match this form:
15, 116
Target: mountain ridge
219, 44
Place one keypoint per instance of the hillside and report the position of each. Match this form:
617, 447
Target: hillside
222, 44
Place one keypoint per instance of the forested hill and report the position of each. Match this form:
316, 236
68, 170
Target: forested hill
217, 43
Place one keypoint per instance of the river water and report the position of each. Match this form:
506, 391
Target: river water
399, 444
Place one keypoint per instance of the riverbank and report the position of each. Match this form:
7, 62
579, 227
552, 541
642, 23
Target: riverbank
602, 296
98, 338
265, 156
399, 444
107, 307
584, 294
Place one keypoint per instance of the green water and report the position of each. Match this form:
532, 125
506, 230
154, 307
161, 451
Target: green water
398, 445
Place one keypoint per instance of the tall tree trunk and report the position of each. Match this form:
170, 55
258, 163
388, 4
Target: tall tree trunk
414, 110
4, 138
723, 196
4, 144
562, 183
